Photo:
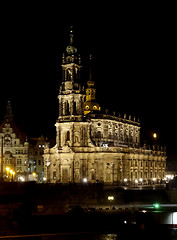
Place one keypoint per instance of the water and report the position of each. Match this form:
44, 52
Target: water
74, 236
88, 236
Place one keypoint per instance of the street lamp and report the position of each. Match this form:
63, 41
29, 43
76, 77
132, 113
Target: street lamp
11, 172
13, 175
85, 180
7, 169
141, 180
154, 135
125, 181
34, 175
110, 198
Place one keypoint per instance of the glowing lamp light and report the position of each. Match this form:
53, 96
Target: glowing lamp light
154, 135
110, 198
22, 179
156, 205
34, 175
84, 180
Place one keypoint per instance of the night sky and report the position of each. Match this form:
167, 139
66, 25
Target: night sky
134, 58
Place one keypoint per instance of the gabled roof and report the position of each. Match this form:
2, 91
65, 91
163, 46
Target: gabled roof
20, 135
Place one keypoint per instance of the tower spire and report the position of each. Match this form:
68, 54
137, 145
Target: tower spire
71, 93
71, 50
9, 114
90, 70
91, 104
71, 35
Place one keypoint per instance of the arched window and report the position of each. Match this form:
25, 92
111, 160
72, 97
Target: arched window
74, 108
93, 175
67, 108
54, 175
68, 136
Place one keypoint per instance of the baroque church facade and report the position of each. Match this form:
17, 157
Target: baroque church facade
94, 146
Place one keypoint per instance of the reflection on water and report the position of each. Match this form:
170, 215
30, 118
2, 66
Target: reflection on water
88, 236
110, 237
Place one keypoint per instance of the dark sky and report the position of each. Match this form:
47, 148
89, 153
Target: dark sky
134, 56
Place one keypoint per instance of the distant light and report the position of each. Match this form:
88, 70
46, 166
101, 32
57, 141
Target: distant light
140, 179
125, 222
22, 179
156, 205
44, 178
136, 181
154, 135
85, 180
125, 179
105, 145
110, 198
169, 177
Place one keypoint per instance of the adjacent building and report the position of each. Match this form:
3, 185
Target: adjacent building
36, 160
95, 146
22, 158
15, 149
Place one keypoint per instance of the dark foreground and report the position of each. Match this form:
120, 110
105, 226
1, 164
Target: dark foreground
21, 215
78, 225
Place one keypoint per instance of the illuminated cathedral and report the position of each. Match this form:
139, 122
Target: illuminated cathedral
94, 146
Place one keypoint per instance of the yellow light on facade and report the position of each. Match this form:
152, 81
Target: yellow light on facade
7, 169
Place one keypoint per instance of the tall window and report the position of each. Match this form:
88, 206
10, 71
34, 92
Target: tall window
54, 175
74, 108
92, 175
68, 136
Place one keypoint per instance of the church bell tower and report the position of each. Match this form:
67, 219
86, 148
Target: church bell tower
71, 94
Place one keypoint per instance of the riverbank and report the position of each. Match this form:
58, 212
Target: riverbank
30, 208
